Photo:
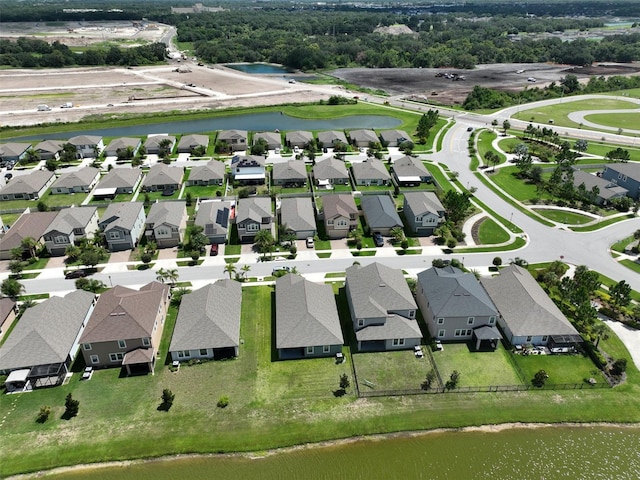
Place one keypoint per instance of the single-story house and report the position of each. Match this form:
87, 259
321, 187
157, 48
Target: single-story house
330, 172
152, 145
28, 187
90, 146
296, 213
49, 149
166, 223
8, 310
162, 177
382, 308
298, 138
68, 227
340, 214
454, 306
208, 323
527, 315
307, 322
188, 143
80, 181
330, 138
626, 175
118, 180
254, 214
273, 139
45, 341
29, 225
370, 172
248, 170
123, 144
235, 140
363, 138
211, 173
13, 152
409, 171
393, 138
380, 213
125, 328
123, 224
423, 212
289, 174
602, 191
214, 218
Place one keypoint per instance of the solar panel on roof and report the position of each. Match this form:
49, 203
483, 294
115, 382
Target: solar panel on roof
222, 217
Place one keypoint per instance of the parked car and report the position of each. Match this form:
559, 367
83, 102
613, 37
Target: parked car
310, 243
377, 239
8, 176
277, 270
469, 129
80, 273
214, 249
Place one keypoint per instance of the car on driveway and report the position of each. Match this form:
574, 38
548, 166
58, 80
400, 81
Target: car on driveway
377, 239
310, 243
80, 273
214, 250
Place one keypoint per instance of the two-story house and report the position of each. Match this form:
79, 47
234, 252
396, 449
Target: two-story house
248, 170
87, 146
423, 212
214, 218
233, 140
340, 214
70, 225
123, 224
626, 175
166, 223
254, 214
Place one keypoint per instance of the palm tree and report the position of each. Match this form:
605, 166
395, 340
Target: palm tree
11, 288
230, 268
29, 243
264, 241
245, 269
161, 275
172, 275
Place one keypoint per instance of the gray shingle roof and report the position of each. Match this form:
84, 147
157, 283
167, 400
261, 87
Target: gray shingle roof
170, 213
306, 314
49, 146
28, 225
161, 174
120, 214
299, 136
330, 137
272, 138
363, 136
30, 183
380, 211
410, 167
191, 141
6, 307
254, 208
212, 170
13, 149
85, 140
524, 306
377, 289
70, 218
120, 178
46, 332
424, 202
372, 168
79, 178
293, 169
330, 168
395, 326
630, 169
297, 213
123, 143
394, 136
209, 219
341, 204
453, 293
209, 317
153, 141
231, 134
606, 189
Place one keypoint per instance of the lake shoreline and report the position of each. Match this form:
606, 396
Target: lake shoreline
490, 428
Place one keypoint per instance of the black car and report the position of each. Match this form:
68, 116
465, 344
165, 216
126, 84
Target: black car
377, 239
76, 274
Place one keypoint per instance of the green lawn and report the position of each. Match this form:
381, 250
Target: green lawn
153, 196
618, 120
279, 189
37, 265
560, 368
564, 216
15, 204
390, 370
477, 369
439, 178
485, 140
632, 265
121, 197
10, 218
490, 232
63, 200
204, 191
517, 188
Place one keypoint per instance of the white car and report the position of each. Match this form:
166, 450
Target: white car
310, 243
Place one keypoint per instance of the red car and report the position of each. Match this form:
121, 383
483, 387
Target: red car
214, 250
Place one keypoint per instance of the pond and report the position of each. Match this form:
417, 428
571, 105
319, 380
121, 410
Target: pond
258, 68
540, 453
255, 122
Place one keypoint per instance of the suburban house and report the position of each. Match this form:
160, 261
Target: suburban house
382, 308
29, 225
340, 214
380, 213
80, 181
297, 215
456, 308
214, 218
208, 323
370, 172
68, 227
123, 224
166, 223
118, 180
290, 174
330, 172
626, 175
423, 212
40, 349
125, 328
409, 171
152, 144
123, 144
13, 152
298, 138
248, 170
28, 187
601, 190
188, 143
49, 149
527, 315
211, 173
254, 214
235, 140
273, 139
307, 322
393, 138
7, 314
330, 138
363, 138
87, 145
162, 177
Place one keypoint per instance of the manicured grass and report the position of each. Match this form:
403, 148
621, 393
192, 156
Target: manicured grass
477, 369
153, 196
204, 191
491, 233
508, 144
15, 204
10, 218
560, 368
121, 197
390, 370
232, 249
439, 177
564, 216
621, 245
63, 200
519, 189
618, 120
602, 224
635, 266
485, 140
599, 148
37, 265
363, 253
35, 296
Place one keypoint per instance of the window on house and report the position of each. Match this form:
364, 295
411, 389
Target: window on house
95, 359
469, 332
412, 313
203, 352
163, 231
122, 344
624, 178
86, 346
310, 350
544, 338
440, 321
116, 357
252, 227
326, 348
114, 235
492, 320
184, 354
342, 223
529, 338
398, 342
470, 320
60, 239
78, 231
361, 322
330, 222
441, 333
146, 342
457, 332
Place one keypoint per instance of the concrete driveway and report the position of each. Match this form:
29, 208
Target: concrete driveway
167, 253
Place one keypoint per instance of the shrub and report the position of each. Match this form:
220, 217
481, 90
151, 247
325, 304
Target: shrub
540, 378
43, 414
167, 400
619, 367
71, 407
223, 402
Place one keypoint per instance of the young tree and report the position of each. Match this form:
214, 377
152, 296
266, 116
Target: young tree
344, 382
454, 378
167, 400
71, 406
11, 288
620, 294
497, 261
581, 145
619, 367
245, 269
540, 378
43, 414
230, 268
429, 379
506, 125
